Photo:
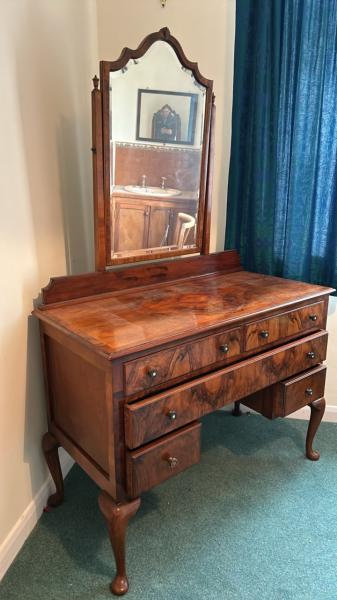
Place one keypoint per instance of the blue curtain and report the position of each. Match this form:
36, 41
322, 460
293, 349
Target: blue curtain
282, 190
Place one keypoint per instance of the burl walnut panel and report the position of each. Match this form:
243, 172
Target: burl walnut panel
145, 373
149, 419
160, 460
117, 324
290, 323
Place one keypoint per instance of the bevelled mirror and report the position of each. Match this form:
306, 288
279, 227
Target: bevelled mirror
152, 145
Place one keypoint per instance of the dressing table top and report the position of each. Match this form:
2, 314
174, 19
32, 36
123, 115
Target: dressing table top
126, 321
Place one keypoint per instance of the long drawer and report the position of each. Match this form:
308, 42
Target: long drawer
160, 460
149, 419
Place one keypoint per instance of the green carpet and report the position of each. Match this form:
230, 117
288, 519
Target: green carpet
254, 520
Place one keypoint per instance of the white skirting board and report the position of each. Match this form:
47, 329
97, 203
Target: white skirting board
26, 523
31, 515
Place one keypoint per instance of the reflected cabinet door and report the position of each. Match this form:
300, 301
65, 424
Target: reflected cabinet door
160, 226
131, 225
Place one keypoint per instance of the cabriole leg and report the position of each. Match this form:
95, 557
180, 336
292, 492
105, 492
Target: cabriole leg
317, 408
117, 516
50, 449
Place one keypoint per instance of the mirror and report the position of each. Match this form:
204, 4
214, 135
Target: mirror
156, 125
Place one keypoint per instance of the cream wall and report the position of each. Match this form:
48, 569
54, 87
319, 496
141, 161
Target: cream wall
48, 54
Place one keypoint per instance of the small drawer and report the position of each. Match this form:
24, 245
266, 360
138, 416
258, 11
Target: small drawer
158, 461
292, 323
145, 373
285, 397
299, 391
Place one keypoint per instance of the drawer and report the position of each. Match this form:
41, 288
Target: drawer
160, 460
290, 395
299, 391
149, 419
154, 369
282, 326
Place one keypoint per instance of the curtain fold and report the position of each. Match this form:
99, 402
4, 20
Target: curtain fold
282, 189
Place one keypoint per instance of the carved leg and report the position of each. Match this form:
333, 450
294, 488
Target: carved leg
117, 516
236, 412
317, 411
50, 449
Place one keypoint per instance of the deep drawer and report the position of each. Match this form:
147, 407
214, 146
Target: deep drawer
145, 373
148, 419
267, 331
160, 460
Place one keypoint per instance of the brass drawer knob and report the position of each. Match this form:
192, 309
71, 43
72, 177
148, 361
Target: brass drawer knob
224, 348
313, 317
311, 355
172, 415
152, 373
172, 461
309, 392
264, 334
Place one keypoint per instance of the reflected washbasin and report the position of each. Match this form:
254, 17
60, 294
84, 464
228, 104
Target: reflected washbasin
151, 191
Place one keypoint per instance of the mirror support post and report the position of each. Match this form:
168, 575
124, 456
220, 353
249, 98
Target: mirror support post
97, 164
209, 183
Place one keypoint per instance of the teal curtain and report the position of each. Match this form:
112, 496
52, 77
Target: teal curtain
282, 189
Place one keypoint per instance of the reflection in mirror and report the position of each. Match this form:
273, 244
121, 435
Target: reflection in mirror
157, 111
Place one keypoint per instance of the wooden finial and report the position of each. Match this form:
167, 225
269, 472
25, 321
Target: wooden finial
95, 82
166, 32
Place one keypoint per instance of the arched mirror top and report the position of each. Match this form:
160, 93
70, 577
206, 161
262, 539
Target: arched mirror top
152, 147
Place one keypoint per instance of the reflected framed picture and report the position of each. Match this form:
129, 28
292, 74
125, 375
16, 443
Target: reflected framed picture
166, 117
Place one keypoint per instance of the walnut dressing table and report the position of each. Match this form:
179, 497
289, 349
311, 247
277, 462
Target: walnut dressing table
135, 355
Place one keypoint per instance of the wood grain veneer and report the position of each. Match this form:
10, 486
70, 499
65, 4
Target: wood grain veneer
149, 419
135, 319
158, 461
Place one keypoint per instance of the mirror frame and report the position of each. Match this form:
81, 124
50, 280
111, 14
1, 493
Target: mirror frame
101, 157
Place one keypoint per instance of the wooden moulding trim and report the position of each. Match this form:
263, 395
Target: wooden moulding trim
62, 289
209, 183
97, 164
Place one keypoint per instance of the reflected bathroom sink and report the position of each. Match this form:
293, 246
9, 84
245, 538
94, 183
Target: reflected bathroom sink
152, 191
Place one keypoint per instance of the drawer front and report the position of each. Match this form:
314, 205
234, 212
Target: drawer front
145, 373
288, 324
300, 391
160, 460
287, 396
148, 419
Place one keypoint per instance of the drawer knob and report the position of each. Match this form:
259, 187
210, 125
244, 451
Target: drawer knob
264, 334
311, 355
152, 373
172, 461
172, 415
313, 317
224, 348
309, 392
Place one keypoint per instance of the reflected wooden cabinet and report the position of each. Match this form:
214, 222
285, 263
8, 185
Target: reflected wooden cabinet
147, 222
